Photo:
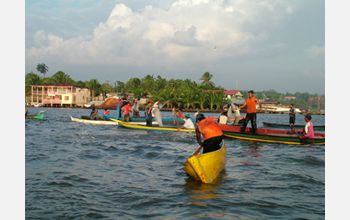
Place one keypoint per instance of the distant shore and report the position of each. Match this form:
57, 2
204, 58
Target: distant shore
188, 110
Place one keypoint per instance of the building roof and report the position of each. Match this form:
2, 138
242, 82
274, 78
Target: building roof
60, 84
227, 92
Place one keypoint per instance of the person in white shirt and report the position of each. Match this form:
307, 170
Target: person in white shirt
223, 118
188, 123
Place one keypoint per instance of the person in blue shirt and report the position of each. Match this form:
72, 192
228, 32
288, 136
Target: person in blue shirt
291, 115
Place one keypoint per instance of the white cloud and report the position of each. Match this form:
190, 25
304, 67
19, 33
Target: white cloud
315, 51
187, 33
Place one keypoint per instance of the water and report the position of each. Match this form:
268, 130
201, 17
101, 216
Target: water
77, 171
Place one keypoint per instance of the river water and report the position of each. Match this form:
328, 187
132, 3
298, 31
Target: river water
78, 171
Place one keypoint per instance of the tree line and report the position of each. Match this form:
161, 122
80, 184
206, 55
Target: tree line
185, 93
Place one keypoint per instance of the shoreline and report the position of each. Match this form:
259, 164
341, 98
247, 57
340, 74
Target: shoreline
186, 110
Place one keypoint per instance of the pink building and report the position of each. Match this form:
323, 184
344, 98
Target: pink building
61, 94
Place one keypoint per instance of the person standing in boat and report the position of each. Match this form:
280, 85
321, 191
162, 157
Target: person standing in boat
136, 109
127, 110
250, 102
188, 123
93, 114
291, 115
237, 114
148, 113
212, 134
308, 131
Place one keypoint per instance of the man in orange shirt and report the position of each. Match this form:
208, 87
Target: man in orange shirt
212, 134
250, 102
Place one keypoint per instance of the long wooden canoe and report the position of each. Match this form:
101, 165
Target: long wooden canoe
146, 128
286, 126
94, 122
206, 167
40, 115
269, 135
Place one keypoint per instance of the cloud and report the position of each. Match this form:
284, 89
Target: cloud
188, 29
315, 51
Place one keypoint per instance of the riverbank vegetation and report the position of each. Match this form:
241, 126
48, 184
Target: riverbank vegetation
185, 93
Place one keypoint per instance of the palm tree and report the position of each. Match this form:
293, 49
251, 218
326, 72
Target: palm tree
211, 98
201, 98
206, 77
42, 68
160, 83
219, 99
31, 79
95, 85
61, 77
166, 94
147, 84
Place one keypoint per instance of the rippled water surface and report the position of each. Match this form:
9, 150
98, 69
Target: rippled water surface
78, 171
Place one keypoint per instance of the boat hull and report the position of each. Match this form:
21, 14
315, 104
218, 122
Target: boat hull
94, 122
269, 135
286, 126
39, 116
146, 128
206, 167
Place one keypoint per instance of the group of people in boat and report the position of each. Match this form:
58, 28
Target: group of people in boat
207, 127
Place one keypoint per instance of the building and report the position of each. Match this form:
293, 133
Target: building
230, 94
289, 98
61, 94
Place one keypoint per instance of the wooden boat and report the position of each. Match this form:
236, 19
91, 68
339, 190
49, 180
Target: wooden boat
101, 121
40, 115
206, 167
286, 126
94, 122
269, 135
146, 128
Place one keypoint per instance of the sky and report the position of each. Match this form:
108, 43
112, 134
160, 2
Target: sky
251, 44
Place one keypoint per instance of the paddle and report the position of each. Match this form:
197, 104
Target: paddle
195, 153
300, 137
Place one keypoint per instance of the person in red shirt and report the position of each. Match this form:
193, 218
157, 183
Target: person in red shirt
127, 110
250, 102
106, 112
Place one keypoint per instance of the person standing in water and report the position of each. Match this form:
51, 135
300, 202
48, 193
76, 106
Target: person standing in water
250, 102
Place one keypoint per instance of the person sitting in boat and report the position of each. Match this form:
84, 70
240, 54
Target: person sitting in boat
148, 113
93, 114
188, 123
223, 118
106, 112
213, 136
308, 131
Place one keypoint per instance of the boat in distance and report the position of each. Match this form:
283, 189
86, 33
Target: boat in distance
206, 167
40, 115
269, 135
147, 128
286, 126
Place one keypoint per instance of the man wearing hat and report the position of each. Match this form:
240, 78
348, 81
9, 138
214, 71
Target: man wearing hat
250, 102
188, 123
212, 134
308, 131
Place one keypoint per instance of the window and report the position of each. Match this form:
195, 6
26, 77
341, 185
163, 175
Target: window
64, 91
66, 98
54, 89
50, 89
74, 90
59, 91
69, 90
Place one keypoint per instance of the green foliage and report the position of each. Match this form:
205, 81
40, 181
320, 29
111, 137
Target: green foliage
42, 68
